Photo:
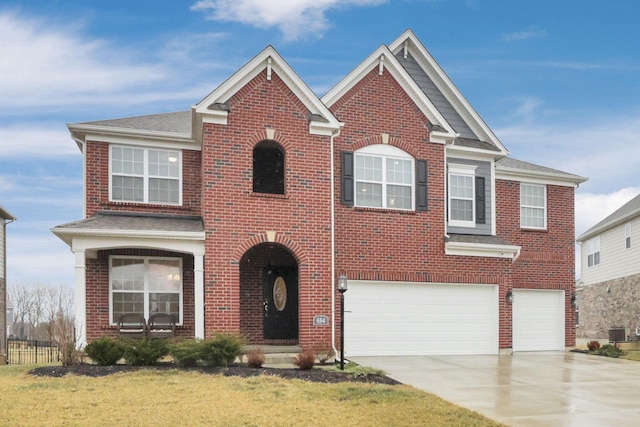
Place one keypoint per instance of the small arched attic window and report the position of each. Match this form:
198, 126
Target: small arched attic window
268, 168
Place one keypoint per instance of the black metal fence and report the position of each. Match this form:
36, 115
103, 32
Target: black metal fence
31, 352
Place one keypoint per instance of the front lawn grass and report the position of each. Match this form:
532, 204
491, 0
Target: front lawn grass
631, 355
151, 398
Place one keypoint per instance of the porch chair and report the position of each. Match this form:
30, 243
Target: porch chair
161, 325
132, 325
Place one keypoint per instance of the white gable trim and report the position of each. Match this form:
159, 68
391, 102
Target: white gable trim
446, 86
383, 61
270, 60
535, 177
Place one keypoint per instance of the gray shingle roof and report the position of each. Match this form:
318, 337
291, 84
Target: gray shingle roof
178, 122
125, 221
511, 163
5, 214
627, 212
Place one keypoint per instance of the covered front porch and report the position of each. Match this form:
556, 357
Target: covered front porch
136, 262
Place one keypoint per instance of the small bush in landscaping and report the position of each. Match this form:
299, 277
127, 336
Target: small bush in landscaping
222, 350
359, 371
324, 354
305, 360
145, 351
255, 358
186, 353
105, 351
609, 350
593, 345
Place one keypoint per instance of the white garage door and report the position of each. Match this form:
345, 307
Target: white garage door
393, 318
538, 320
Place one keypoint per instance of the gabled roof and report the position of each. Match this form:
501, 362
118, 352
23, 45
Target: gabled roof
6, 215
518, 170
626, 213
384, 60
214, 108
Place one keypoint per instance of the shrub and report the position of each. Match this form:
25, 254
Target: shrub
324, 354
609, 350
186, 353
255, 358
222, 350
105, 351
305, 360
593, 345
145, 351
359, 371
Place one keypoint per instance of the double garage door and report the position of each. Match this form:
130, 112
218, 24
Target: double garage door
393, 318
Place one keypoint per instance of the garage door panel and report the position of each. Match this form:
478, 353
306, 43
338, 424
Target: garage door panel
538, 320
385, 318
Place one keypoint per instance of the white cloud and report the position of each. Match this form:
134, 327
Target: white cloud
36, 140
528, 33
592, 208
295, 19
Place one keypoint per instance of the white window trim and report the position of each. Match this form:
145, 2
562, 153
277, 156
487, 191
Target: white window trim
386, 152
145, 175
627, 236
593, 248
463, 170
544, 208
146, 284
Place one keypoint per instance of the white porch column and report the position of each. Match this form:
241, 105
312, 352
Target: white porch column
80, 298
198, 279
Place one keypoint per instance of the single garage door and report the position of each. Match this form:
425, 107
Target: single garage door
538, 320
394, 318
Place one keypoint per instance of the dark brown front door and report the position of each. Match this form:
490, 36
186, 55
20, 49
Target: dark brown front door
280, 290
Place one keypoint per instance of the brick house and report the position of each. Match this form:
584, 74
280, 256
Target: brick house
240, 214
609, 289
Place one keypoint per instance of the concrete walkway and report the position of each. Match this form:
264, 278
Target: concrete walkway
528, 389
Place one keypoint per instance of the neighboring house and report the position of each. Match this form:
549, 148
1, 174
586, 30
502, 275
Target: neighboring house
609, 289
5, 218
240, 214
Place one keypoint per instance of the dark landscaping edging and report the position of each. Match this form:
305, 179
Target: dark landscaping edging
313, 375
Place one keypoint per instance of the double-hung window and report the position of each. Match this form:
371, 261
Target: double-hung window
533, 206
462, 206
384, 178
593, 251
145, 175
145, 285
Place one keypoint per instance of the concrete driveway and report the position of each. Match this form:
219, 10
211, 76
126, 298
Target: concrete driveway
527, 389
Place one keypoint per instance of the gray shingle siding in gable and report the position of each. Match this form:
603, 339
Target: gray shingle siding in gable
435, 96
483, 170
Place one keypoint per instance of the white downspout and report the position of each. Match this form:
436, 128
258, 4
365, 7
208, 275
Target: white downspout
333, 245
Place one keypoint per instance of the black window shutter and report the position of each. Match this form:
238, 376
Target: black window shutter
480, 201
347, 178
421, 186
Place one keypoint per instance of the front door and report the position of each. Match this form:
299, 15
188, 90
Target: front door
280, 290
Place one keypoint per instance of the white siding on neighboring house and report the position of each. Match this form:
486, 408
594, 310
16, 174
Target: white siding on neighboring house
2, 248
615, 259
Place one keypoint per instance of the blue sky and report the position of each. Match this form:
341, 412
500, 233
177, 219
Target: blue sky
558, 82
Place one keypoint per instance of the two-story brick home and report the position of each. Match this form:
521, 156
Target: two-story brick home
609, 288
240, 214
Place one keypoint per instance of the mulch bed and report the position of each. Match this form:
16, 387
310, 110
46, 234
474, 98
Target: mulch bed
313, 375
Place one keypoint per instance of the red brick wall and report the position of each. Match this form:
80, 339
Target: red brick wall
236, 219
97, 184
547, 258
97, 286
377, 244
